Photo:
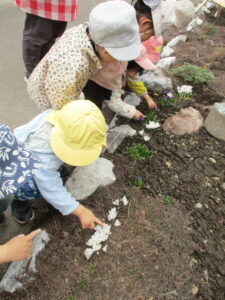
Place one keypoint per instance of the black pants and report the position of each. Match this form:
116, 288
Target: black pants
39, 35
96, 93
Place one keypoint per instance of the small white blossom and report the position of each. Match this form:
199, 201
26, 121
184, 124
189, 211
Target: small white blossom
88, 253
117, 223
152, 125
198, 205
146, 138
116, 202
124, 200
170, 95
112, 214
141, 132
105, 248
187, 89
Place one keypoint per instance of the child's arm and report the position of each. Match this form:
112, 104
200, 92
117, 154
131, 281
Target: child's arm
137, 86
52, 189
122, 108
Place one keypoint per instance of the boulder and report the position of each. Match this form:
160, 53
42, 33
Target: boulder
116, 135
186, 121
132, 99
215, 121
157, 81
85, 180
166, 63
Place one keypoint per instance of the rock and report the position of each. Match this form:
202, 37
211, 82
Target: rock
132, 99
215, 178
176, 40
198, 205
176, 13
215, 121
85, 180
167, 51
223, 185
186, 121
194, 23
157, 81
17, 273
212, 160
116, 135
166, 63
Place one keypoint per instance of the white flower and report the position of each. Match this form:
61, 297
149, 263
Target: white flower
198, 205
116, 202
117, 223
141, 132
146, 138
105, 248
88, 253
124, 200
112, 214
170, 95
187, 89
152, 125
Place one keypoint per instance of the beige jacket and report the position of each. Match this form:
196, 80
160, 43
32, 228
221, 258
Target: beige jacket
62, 74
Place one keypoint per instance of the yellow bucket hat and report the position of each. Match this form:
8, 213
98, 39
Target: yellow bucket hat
79, 132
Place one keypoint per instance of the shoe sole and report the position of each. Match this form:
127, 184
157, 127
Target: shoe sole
24, 222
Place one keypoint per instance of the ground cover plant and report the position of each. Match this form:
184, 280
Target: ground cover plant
194, 74
138, 152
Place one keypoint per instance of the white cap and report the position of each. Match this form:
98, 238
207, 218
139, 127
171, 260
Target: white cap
113, 25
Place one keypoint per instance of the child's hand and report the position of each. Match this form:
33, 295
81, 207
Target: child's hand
87, 218
18, 248
139, 115
150, 102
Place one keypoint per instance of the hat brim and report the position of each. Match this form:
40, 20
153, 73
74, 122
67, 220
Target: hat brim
71, 156
146, 64
126, 53
157, 20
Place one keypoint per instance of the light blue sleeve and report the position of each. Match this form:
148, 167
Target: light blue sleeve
52, 189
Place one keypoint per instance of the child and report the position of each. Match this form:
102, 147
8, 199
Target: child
111, 34
133, 80
17, 165
73, 135
106, 84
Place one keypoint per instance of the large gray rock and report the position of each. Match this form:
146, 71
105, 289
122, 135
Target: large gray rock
85, 180
157, 81
132, 99
215, 121
166, 63
179, 38
17, 273
116, 135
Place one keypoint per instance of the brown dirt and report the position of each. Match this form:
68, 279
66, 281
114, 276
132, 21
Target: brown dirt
160, 251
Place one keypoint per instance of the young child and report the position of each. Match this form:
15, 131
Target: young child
134, 68
111, 35
106, 83
73, 135
17, 165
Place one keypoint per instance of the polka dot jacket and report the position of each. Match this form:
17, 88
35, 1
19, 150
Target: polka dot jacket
62, 74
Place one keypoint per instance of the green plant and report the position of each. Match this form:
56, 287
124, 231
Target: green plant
92, 268
194, 74
150, 117
167, 99
209, 29
138, 152
138, 181
168, 200
84, 284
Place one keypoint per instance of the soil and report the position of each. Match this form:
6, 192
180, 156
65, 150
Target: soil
166, 248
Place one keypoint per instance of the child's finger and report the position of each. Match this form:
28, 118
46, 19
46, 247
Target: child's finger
98, 222
33, 234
